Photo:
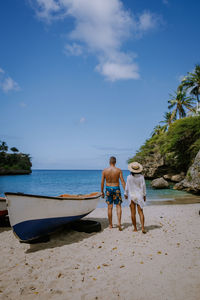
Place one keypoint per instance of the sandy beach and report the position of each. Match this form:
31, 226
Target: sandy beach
163, 264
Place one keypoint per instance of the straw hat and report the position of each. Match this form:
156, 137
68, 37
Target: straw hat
135, 167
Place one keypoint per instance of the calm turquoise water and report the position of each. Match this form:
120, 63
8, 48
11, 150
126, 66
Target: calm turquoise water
56, 182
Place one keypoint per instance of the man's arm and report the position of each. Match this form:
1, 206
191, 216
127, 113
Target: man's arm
122, 180
102, 184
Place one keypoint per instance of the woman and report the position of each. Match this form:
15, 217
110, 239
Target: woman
135, 192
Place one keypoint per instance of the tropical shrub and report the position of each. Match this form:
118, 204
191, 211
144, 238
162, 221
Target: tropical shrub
178, 146
14, 161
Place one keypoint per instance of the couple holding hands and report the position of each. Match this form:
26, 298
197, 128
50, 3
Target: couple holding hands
134, 191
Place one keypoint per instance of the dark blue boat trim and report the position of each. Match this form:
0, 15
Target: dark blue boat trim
32, 229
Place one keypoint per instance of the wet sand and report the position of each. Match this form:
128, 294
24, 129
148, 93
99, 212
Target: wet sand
188, 199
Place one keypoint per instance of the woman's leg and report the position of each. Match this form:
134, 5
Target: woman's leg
140, 212
133, 214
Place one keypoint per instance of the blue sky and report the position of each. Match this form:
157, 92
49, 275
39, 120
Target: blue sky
81, 80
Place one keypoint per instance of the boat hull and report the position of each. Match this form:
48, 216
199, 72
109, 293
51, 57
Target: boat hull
33, 229
3, 207
33, 216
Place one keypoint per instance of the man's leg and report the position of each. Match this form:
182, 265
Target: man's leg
140, 212
110, 208
133, 214
119, 215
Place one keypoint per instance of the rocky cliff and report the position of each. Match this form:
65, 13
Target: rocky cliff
191, 183
155, 166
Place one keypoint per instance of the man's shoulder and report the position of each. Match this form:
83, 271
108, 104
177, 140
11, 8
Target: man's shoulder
118, 170
105, 169
111, 169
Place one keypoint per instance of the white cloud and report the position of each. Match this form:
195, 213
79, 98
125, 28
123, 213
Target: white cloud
114, 71
82, 120
166, 2
73, 49
7, 83
46, 7
100, 27
147, 21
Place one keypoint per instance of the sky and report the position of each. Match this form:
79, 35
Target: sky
81, 80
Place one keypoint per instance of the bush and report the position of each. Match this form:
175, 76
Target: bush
183, 135
15, 161
178, 146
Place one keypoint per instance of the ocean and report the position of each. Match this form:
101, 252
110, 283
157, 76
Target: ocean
57, 182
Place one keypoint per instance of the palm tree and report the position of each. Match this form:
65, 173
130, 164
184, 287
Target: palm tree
168, 119
179, 102
158, 130
3, 147
192, 82
14, 149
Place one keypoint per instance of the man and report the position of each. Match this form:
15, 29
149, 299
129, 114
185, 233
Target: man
112, 175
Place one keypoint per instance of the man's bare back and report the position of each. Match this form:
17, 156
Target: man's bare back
112, 176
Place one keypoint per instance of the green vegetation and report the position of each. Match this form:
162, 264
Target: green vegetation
13, 163
180, 102
191, 82
178, 146
189, 176
177, 140
184, 101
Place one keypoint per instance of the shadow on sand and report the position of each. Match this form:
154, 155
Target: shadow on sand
66, 236
4, 224
151, 227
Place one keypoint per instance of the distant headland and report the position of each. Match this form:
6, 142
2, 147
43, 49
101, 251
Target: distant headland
14, 163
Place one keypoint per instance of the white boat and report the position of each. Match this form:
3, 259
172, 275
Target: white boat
33, 216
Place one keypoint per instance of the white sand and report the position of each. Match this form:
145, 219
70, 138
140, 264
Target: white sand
164, 264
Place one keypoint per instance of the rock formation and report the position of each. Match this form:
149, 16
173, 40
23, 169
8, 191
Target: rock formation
159, 183
191, 183
178, 177
154, 166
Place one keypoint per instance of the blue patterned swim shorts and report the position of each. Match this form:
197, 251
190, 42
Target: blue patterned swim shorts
113, 194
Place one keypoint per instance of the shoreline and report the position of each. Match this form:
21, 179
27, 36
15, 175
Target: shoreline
182, 200
8, 172
162, 264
